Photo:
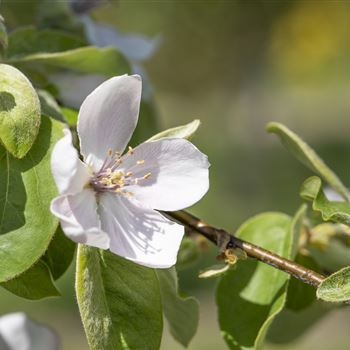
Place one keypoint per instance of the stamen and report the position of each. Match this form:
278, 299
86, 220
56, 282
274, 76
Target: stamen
128, 174
130, 150
110, 152
147, 176
141, 161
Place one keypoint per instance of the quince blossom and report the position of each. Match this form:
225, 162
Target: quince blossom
110, 200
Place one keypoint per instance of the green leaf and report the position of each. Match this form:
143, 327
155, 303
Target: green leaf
71, 115
250, 296
59, 254
306, 155
119, 301
311, 189
19, 111
3, 37
182, 312
29, 40
49, 106
188, 254
183, 131
34, 284
336, 287
106, 61
26, 224
301, 295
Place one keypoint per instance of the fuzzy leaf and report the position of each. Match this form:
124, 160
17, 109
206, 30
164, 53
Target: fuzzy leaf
182, 312
26, 224
34, 284
336, 287
184, 131
306, 155
19, 111
119, 301
250, 296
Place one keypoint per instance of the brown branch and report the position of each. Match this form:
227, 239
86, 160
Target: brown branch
217, 235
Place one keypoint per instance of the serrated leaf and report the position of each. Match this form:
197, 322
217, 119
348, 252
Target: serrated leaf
26, 224
34, 284
181, 312
336, 287
59, 254
29, 40
119, 301
311, 189
250, 296
106, 61
306, 155
19, 111
184, 131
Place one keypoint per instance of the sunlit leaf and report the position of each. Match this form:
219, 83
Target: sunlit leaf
250, 296
305, 154
119, 301
180, 311
26, 224
36, 283
19, 111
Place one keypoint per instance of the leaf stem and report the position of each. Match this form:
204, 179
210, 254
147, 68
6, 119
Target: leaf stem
217, 235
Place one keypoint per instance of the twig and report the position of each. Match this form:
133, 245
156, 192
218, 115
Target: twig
217, 235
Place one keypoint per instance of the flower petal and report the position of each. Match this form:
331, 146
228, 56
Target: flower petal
179, 175
108, 117
69, 172
79, 218
138, 233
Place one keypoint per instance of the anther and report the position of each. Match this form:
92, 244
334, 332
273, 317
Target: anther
147, 176
141, 161
130, 150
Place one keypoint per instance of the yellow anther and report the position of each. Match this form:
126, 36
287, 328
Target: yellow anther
147, 176
130, 150
128, 174
110, 151
141, 161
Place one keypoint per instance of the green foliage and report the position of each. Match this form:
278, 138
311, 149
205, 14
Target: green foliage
119, 301
182, 312
35, 283
306, 155
250, 296
189, 253
336, 287
59, 254
106, 61
3, 37
331, 211
26, 224
49, 106
184, 131
19, 111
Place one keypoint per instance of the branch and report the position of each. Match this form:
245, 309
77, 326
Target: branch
217, 235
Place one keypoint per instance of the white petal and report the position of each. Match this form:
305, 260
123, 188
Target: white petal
108, 117
79, 218
18, 332
179, 174
69, 172
138, 233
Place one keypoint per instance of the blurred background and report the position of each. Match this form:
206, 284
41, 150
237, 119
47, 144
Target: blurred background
237, 65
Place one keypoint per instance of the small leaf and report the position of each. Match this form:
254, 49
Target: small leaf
19, 111
34, 284
250, 296
214, 271
336, 287
49, 106
180, 311
311, 189
106, 61
119, 301
306, 155
59, 254
183, 131
26, 223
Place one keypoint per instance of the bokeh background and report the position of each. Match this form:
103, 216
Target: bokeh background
237, 65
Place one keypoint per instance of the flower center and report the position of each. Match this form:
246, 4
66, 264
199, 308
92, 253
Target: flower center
113, 178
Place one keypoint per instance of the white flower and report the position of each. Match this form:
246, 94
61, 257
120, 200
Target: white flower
110, 200
18, 332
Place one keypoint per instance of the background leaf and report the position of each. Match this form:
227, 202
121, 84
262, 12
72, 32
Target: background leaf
3, 37
36, 283
306, 155
19, 111
336, 287
250, 296
26, 224
49, 106
119, 301
181, 312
